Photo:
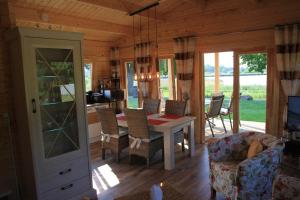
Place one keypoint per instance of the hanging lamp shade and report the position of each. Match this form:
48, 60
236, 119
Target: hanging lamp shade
143, 64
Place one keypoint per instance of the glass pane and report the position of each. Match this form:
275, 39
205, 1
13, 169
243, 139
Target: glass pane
253, 91
88, 76
165, 81
209, 74
132, 86
55, 71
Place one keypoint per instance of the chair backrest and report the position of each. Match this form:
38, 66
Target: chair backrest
151, 105
215, 106
230, 105
137, 123
175, 107
108, 120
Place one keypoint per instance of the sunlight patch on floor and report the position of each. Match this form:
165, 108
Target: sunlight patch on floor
104, 178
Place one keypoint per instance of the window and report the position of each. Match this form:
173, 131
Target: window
166, 81
88, 76
132, 86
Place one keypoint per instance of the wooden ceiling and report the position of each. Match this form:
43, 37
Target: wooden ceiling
103, 20
108, 20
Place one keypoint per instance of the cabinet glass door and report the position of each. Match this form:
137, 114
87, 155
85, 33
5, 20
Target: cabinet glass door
56, 90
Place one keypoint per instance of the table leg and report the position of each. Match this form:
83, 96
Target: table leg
191, 138
169, 150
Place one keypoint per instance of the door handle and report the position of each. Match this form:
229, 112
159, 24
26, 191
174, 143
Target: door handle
33, 106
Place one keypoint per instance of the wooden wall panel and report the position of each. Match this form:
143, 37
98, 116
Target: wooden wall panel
97, 53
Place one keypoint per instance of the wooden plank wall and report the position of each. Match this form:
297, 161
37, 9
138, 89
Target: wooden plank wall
231, 25
97, 53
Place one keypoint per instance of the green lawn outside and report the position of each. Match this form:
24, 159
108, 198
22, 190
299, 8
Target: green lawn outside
256, 91
251, 110
132, 102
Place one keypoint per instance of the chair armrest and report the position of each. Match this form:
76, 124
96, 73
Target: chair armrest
255, 175
286, 187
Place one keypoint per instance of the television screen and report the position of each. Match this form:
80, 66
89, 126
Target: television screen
293, 115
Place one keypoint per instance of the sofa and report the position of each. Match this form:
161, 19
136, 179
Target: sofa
237, 177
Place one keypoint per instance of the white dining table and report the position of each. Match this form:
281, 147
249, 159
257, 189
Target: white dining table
169, 128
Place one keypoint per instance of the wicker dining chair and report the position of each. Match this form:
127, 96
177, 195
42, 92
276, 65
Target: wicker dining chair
151, 106
142, 141
112, 137
174, 107
214, 112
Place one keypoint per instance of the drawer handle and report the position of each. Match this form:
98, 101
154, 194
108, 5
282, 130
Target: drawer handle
33, 105
67, 187
65, 171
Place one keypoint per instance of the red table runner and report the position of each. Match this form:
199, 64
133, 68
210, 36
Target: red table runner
122, 118
156, 121
169, 116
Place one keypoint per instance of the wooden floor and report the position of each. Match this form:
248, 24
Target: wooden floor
191, 176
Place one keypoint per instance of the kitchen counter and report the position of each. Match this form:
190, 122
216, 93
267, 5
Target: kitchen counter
91, 107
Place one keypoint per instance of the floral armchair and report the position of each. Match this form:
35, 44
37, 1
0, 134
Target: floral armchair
237, 177
286, 188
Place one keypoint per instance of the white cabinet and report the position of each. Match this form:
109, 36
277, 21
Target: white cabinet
50, 114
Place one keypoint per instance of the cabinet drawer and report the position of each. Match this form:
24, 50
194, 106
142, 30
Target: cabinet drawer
64, 174
68, 190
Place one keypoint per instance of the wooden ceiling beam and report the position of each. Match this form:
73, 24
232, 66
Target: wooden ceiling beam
124, 6
34, 15
88, 33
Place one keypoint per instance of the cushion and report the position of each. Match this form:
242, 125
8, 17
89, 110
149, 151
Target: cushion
254, 148
212, 140
224, 111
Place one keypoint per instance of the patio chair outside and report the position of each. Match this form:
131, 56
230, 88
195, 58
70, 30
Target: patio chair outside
228, 111
214, 112
112, 137
142, 141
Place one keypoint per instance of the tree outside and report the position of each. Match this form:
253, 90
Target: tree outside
256, 63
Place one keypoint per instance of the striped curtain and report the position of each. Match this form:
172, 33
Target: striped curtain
115, 62
184, 57
143, 65
287, 40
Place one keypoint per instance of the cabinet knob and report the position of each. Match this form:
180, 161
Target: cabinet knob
65, 171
